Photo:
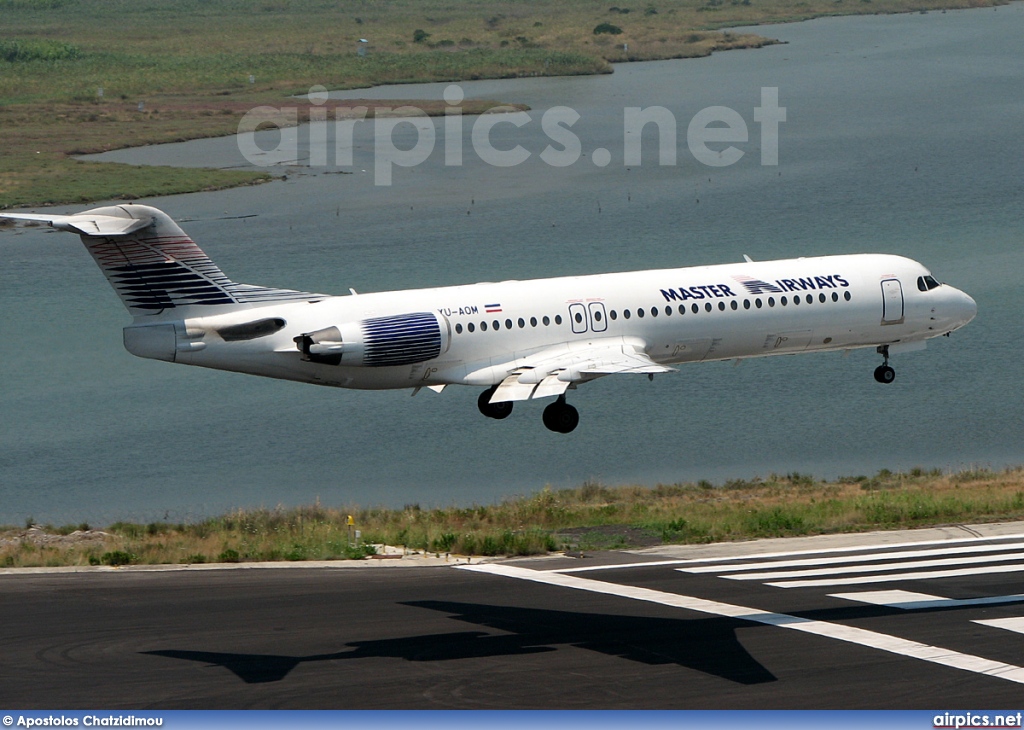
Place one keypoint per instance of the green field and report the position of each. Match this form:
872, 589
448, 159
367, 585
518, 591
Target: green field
588, 517
190, 62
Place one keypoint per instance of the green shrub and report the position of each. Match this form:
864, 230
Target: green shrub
117, 557
607, 28
419, 35
14, 51
229, 555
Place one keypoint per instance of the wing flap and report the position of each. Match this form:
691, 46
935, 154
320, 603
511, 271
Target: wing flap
551, 385
512, 388
551, 372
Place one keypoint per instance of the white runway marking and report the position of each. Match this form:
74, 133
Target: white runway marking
850, 634
734, 567
787, 553
874, 568
912, 601
922, 575
1010, 624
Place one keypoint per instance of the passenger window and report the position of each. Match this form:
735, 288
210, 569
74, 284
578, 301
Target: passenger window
771, 301
835, 297
783, 301
708, 307
508, 324
746, 304
533, 321
558, 319
796, 299
846, 295
810, 299
483, 326
458, 329
640, 313
721, 306
625, 313
470, 327
694, 308
654, 311
613, 314
578, 317
821, 298
521, 323
758, 303
497, 325
597, 315
668, 311
682, 309
734, 305
546, 321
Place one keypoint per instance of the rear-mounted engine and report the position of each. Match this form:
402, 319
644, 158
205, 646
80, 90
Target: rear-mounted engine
402, 339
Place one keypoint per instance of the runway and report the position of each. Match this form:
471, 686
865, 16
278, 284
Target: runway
923, 619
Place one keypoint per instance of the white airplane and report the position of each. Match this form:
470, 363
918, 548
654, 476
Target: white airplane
519, 340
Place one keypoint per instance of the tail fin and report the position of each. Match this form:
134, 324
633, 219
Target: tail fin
153, 265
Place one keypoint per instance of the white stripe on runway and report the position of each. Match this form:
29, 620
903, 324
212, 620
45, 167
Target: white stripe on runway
731, 567
1010, 624
909, 601
750, 556
877, 568
922, 575
850, 634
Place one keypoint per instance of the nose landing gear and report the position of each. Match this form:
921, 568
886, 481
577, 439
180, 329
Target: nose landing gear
884, 373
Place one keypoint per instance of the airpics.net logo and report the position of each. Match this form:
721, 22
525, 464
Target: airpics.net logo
974, 720
714, 136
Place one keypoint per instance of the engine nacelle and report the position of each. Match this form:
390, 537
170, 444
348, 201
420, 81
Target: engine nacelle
401, 339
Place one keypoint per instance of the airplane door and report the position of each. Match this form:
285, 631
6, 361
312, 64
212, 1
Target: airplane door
598, 317
892, 301
578, 318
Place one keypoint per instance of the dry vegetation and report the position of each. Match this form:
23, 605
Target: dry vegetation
591, 516
190, 62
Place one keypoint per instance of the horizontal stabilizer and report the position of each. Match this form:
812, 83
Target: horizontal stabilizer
86, 224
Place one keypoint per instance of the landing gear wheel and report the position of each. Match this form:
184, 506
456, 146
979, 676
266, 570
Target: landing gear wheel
885, 374
561, 417
493, 410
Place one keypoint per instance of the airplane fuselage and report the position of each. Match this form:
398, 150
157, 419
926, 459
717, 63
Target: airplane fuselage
676, 316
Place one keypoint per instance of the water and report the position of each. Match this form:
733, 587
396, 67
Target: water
902, 136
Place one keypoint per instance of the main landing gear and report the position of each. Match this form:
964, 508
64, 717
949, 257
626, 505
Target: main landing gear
493, 410
561, 417
558, 416
884, 373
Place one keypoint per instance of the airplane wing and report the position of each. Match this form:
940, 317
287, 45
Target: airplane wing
550, 372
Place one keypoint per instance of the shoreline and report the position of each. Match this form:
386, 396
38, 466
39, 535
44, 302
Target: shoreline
586, 518
40, 169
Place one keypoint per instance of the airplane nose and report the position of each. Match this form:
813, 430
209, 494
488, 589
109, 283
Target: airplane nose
964, 309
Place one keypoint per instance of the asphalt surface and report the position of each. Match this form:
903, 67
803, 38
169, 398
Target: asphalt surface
704, 627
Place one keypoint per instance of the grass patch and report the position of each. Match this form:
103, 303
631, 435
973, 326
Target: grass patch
56, 55
591, 516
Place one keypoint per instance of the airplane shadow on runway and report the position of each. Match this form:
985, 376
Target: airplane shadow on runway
707, 645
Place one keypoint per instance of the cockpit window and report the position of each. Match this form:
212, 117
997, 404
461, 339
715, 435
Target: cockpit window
927, 283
